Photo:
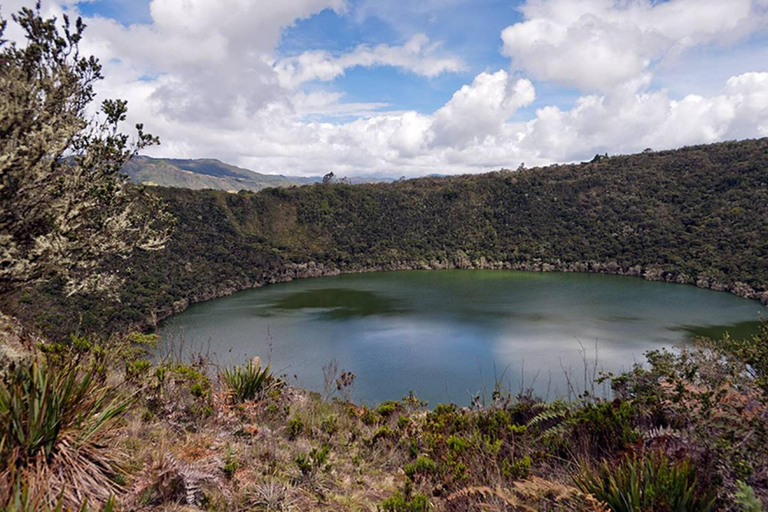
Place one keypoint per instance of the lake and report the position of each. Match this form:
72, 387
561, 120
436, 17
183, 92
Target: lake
451, 335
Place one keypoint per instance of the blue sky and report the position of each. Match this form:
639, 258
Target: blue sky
446, 86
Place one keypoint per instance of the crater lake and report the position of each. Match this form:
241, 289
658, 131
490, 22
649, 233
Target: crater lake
453, 335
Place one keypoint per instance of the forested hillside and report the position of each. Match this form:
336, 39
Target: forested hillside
698, 215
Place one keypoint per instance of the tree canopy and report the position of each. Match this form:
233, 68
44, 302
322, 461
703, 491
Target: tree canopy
64, 205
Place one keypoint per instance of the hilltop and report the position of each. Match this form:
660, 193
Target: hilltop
203, 174
213, 174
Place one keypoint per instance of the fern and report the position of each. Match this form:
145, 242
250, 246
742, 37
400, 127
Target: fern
553, 414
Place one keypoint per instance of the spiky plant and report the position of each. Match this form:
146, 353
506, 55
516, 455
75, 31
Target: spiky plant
24, 501
249, 381
647, 484
54, 422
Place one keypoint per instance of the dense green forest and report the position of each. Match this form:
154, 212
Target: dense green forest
698, 215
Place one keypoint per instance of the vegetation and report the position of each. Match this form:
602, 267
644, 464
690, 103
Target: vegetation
648, 484
202, 174
64, 206
698, 215
91, 422
249, 382
685, 432
54, 421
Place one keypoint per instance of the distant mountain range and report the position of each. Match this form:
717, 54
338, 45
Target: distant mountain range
214, 174
204, 174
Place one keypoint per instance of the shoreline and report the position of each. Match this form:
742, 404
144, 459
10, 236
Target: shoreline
294, 271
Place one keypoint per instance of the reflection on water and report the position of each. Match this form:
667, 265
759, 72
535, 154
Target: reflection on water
740, 330
338, 303
448, 335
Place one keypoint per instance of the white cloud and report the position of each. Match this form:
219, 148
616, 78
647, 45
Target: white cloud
212, 58
480, 110
417, 55
601, 44
211, 85
626, 123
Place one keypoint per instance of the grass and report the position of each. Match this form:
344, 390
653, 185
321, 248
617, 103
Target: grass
648, 483
55, 421
248, 441
249, 381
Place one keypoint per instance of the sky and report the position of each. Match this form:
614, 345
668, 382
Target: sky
409, 88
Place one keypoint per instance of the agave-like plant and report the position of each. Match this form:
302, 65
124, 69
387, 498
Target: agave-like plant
647, 484
54, 423
249, 381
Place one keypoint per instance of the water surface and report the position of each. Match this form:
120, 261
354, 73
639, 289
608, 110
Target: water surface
450, 335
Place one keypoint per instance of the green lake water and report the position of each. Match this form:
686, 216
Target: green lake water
450, 335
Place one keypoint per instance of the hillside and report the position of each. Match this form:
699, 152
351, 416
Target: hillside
203, 174
698, 215
207, 173
684, 432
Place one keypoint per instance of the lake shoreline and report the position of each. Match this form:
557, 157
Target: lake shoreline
310, 270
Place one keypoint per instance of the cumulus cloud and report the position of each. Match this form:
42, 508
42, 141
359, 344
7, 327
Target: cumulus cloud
418, 56
601, 44
410, 143
479, 110
206, 78
209, 59
626, 123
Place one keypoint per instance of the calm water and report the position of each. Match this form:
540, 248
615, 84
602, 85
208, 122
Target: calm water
448, 335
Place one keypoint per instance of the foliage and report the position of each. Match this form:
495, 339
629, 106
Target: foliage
665, 215
400, 502
316, 460
64, 206
23, 501
647, 484
752, 352
706, 404
295, 427
747, 500
53, 421
249, 381
181, 393
422, 466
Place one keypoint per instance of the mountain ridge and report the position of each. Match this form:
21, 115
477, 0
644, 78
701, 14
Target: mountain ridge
214, 174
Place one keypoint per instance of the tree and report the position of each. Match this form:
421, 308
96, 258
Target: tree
65, 208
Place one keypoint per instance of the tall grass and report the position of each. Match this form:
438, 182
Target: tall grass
53, 425
647, 484
249, 381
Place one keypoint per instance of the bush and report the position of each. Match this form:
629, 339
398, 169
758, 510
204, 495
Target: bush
249, 381
53, 422
316, 460
747, 499
295, 427
647, 484
422, 466
399, 502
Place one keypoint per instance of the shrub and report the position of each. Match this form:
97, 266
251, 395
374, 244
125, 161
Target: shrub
249, 381
422, 466
651, 483
747, 499
314, 461
230, 462
399, 502
295, 427
52, 426
387, 408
